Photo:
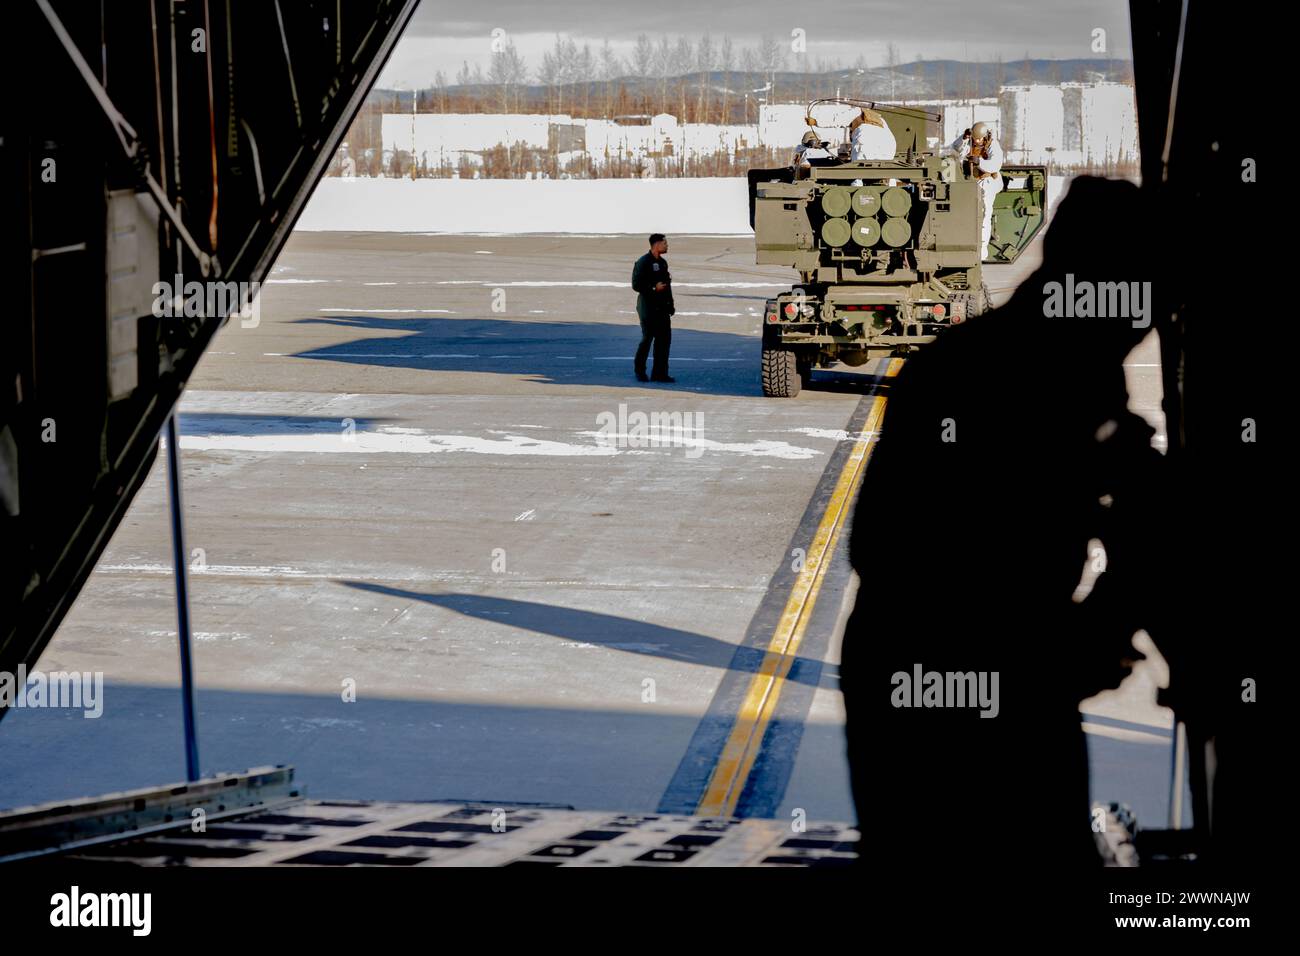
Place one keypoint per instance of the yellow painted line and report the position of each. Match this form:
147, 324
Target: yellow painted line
736, 761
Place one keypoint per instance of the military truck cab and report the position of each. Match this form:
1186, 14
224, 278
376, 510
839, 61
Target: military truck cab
887, 251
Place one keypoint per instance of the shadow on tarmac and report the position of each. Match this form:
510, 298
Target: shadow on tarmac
560, 353
609, 630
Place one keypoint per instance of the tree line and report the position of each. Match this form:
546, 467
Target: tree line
667, 76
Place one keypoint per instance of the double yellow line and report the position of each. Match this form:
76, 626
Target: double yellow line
736, 760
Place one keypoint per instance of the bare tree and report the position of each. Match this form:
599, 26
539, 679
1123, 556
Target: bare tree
663, 67
440, 90
570, 70
751, 66
772, 53
891, 60
507, 73
465, 77
683, 60
726, 63
548, 74
610, 68
704, 56
585, 71
559, 69
498, 75
643, 57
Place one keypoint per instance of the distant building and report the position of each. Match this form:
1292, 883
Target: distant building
1071, 125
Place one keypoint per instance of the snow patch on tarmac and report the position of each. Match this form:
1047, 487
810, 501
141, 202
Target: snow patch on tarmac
835, 434
402, 441
217, 570
387, 311
669, 439
325, 436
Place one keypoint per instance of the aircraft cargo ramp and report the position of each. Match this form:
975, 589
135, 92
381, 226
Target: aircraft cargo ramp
261, 818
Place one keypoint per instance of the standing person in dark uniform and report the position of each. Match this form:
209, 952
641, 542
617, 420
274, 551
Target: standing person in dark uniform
654, 307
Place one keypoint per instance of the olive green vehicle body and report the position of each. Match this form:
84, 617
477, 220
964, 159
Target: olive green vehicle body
887, 274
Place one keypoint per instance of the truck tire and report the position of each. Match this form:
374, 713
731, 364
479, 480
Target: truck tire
780, 373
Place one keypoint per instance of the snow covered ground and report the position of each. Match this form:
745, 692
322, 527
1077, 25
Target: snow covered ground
710, 207
511, 206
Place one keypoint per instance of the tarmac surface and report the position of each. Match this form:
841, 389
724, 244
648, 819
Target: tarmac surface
434, 556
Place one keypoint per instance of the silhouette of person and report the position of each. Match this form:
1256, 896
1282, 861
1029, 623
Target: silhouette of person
1005, 447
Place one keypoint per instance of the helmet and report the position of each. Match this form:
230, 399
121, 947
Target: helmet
979, 131
810, 138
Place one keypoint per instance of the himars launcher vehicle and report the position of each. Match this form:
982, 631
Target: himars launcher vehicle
888, 251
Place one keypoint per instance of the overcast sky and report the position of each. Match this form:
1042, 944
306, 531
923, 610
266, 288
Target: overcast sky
443, 34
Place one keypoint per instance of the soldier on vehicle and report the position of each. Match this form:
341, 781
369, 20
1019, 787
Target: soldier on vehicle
810, 148
654, 308
870, 137
980, 151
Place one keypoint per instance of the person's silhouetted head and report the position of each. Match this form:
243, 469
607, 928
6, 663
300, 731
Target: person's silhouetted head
1094, 290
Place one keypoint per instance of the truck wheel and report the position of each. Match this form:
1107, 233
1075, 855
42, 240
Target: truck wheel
986, 298
780, 373
804, 365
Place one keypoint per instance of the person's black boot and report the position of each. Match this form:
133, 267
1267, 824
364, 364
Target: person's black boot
667, 379
642, 376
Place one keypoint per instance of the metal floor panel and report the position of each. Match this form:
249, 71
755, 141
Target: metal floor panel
342, 833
